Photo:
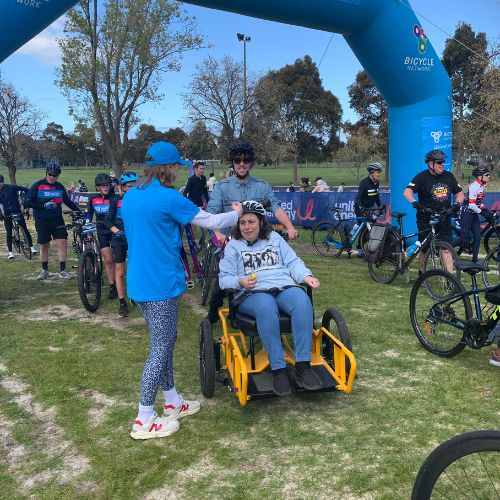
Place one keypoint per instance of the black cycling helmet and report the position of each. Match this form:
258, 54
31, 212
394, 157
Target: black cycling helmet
102, 179
434, 155
481, 170
240, 146
128, 177
254, 207
374, 167
53, 167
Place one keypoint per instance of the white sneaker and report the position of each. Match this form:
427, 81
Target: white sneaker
184, 409
34, 250
157, 427
43, 275
10, 256
65, 275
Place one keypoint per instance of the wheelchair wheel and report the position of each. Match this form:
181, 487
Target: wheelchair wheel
335, 323
207, 359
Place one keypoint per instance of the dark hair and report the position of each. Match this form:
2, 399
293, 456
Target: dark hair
212, 174
161, 172
265, 230
199, 164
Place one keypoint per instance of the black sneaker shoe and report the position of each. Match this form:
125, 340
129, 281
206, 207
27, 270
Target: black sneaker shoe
112, 292
306, 377
123, 312
281, 384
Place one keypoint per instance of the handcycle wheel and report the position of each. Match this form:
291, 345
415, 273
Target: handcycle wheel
210, 274
465, 466
434, 259
24, 242
327, 239
491, 239
207, 359
385, 269
437, 315
491, 277
89, 280
335, 323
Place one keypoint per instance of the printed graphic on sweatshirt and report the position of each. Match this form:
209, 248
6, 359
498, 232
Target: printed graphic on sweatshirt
440, 192
258, 260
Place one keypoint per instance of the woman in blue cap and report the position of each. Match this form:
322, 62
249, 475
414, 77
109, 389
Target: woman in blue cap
153, 213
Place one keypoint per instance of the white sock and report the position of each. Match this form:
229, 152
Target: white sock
172, 398
145, 413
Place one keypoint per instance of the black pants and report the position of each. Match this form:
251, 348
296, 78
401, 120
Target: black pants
469, 222
7, 222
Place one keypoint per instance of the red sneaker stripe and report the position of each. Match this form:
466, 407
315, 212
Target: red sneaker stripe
138, 422
155, 427
169, 407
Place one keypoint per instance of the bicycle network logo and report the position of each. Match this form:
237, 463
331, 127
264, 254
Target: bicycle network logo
422, 39
436, 135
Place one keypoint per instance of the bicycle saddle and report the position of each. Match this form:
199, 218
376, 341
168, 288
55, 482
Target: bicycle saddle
470, 267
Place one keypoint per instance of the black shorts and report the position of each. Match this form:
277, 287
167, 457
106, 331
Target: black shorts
443, 230
104, 240
119, 253
48, 230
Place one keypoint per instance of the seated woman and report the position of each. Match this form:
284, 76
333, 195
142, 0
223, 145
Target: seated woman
258, 259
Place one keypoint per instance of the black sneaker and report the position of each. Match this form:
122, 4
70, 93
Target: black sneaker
112, 292
123, 312
281, 384
306, 377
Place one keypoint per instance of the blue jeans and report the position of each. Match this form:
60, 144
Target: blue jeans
265, 308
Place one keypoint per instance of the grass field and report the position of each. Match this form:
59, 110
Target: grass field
69, 384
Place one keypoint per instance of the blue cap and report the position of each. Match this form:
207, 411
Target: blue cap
164, 153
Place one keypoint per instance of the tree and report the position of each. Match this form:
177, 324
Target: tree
200, 143
18, 119
215, 96
176, 136
54, 141
112, 62
296, 107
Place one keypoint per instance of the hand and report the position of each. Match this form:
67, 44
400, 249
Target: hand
221, 237
311, 281
417, 205
237, 207
248, 282
119, 234
455, 207
292, 233
488, 215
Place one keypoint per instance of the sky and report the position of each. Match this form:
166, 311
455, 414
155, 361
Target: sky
272, 45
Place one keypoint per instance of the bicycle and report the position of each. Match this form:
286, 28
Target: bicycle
338, 235
393, 259
86, 246
20, 239
442, 315
465, 466
490, 234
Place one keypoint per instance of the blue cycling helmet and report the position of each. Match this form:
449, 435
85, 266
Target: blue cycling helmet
53, 167
374, 167
128, 176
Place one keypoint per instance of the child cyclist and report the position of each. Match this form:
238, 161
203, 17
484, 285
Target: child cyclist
118, 243
153, 212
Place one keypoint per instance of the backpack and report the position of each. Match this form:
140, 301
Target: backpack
376, 242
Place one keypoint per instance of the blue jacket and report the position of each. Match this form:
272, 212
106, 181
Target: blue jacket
9, 199
273, 261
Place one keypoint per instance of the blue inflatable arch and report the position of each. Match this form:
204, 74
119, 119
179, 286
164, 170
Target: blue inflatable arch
385, 35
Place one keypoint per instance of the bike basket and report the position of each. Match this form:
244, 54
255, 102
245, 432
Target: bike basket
493, 295
376, 241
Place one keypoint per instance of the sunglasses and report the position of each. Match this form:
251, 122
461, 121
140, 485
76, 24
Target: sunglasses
439, 162
243, 159
53, 175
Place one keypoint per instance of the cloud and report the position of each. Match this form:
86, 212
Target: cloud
43, 47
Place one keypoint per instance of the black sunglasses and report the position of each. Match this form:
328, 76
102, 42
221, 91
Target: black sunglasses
53, 175
244, 159
439, 162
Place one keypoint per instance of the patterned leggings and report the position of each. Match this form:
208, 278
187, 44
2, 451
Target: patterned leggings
161, 318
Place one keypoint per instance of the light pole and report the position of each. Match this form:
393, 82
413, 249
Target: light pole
243, 38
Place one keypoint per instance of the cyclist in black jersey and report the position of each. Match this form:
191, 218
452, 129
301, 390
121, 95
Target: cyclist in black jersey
368, 195
99, 204
119, 244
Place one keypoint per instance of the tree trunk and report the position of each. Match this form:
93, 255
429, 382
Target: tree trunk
295, 169
11, 167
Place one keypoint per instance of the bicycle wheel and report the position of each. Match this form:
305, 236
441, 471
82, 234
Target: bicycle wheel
327, 239
491, 239
437, 314
385, 269
491, 277
335, 323
465, 466
24, 242
363, 239
434, 258
16, 242
207, 359
89, 280
212, 272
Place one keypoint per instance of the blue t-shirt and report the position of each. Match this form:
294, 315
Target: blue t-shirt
152, 218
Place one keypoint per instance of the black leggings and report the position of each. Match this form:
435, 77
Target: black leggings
470, 222
8, 228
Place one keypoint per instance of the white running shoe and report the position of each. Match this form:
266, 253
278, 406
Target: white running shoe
65, 275
10, 256
184, 409
157, 427
43, 275
34, 251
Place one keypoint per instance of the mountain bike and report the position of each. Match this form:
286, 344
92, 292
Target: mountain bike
20, 239
465, 466
446, 317
393, 259
330, 239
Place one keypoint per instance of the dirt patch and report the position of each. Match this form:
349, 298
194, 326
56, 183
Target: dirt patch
193, 301
390, 354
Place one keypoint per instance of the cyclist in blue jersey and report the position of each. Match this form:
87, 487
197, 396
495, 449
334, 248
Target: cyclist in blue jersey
153, 213
119, 244
9, 203
99, 204
46, 197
